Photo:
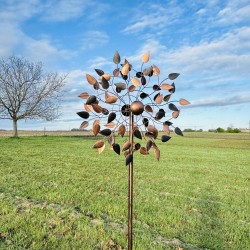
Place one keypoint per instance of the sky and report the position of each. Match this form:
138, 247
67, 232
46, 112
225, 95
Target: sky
207, 42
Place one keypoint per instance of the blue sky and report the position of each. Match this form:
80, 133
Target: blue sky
208, 42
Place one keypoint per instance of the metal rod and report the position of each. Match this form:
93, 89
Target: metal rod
130, 185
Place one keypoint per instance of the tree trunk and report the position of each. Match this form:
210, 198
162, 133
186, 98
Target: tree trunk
15, 134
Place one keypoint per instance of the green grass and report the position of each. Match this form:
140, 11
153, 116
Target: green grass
58, 193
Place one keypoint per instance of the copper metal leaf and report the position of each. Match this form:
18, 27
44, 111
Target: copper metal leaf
100, 150
106, 95
84, 125
110, 125
91, 80
178, 131
166, 86
105, 132
111, 99
121, 130
137, 134
175, 114
156, 70
96, 128
106, 76
129, 159
98, 144
158, 99
97, 108
88, 108
172, 107
121, 85
126, 153
96, 86
147, 71
183, 102
167, 97
125, 69
148, 108
131, 88
105, 83
149, 145
145, 57
165, 138
126, 146
135, 82
157, 153
116, 148
156, 96
153, 130
99, 72
166, 129
143, 151
91, 99
116, 72
83, 114
116, 58
173, 76
84, 95
111, 117
96, 122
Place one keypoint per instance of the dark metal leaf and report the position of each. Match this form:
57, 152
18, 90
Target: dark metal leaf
159, 115
121, 85
173, 76
83, 114
137, 146
91, 100
167, 123
105, 132
99, 72
139, 74
129, 159
172, 107
178, 131
145, 121
143, 80
137, 134
116, 148
156, 87
165, 138
105, 111
124, 77
105, 83
147, 71
111, 117
143, 95
116, 58
96, 86
149, 145
125, 110
84, 125
173, 89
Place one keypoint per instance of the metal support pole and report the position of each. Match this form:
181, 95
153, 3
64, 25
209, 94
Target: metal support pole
130, 185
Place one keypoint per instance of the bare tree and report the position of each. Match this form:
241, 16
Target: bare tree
26, 92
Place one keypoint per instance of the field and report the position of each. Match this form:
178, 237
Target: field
56, 192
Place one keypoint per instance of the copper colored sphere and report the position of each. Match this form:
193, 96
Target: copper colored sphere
137, 107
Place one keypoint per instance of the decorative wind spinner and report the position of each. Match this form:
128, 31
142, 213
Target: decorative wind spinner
137, 101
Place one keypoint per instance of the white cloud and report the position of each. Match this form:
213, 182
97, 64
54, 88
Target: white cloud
64, 10
99, 62
94, 39
153, 16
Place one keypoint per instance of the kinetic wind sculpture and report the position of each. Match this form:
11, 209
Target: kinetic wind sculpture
134, 101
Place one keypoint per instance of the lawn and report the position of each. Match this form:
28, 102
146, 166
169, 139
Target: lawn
58, 193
